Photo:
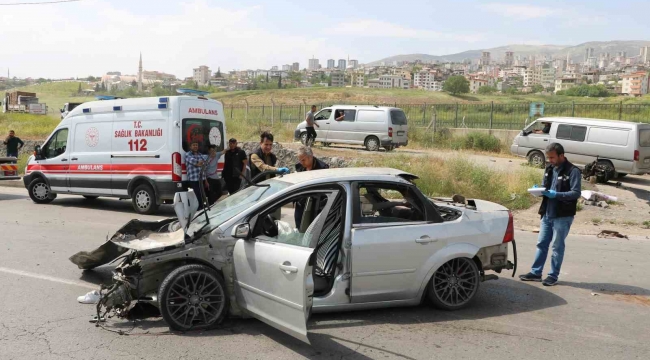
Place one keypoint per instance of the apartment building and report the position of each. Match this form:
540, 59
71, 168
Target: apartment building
202, 75
476, 83
544, 75
313, 64
354, 64
359, 80
342, 64
389, 82
338, 78
295, 67
635, 84
426, 80
566, 83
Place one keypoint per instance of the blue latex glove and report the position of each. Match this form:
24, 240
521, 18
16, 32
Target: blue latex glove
284, 170
535, 186
551, 194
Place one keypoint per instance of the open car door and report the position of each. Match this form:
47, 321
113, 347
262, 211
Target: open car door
274, 269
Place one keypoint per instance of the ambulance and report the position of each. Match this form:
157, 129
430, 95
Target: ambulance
125, 148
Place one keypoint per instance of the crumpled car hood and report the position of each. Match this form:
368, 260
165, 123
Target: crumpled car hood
135, 235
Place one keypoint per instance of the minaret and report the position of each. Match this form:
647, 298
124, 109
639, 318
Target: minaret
140, 75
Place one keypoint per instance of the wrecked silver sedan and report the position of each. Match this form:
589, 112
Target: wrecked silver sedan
339, 239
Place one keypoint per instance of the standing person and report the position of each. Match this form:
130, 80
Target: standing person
311, 133
194, 162
263, 159
234, 166
306, 162
212, 173
562, 184
14, 144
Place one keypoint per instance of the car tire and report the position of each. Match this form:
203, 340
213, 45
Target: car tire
193, 297
40, 192
621, 175
455, 284
90, 197
303, 138
537, 159
144, 200
372, 143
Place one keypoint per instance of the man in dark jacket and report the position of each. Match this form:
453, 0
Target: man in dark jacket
306, 162
234, 166
562, 183
263, 159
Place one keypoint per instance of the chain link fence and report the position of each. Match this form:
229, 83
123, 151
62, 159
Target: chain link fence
453, 115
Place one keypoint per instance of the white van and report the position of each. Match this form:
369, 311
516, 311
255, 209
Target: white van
370, 126
67, 107
623, 145
126, 148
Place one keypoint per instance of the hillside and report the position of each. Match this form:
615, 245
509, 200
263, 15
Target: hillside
557, 51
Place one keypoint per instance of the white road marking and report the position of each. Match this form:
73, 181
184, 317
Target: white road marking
49, 278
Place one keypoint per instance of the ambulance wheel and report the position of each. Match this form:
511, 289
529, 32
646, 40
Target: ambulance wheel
40, 191
144, 200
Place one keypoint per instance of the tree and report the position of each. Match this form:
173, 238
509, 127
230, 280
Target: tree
191, 84
537, 88
218, 74
456, 85
486, 90
280, 82
79, 89
92, 78
134, 83
97, 88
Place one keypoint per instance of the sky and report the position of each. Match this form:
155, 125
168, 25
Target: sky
91, 37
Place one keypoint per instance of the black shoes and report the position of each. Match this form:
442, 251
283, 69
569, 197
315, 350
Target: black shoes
549, 281
530, 277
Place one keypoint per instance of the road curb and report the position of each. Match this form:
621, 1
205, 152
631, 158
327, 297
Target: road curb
12, 183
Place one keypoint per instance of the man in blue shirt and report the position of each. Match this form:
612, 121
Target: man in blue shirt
562, 181
194, 162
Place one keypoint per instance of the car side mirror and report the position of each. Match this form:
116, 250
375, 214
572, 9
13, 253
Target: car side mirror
37, 152
241, 231
62, 111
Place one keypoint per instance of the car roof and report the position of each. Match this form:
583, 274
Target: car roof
589, 121
363, 107
348, 174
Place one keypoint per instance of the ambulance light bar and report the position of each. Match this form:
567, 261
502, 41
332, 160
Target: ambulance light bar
192, 92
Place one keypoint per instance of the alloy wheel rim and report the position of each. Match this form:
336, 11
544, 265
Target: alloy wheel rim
195, 299
455, 282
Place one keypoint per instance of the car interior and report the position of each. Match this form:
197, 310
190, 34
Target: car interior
387, 204
295, 221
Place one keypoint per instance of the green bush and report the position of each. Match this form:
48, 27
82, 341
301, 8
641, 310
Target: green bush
476, 141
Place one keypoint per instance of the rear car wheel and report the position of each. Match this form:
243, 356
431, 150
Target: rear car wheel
455, 284
144, 200
303, 138
40, 192
537, 159
372, 143
193, 297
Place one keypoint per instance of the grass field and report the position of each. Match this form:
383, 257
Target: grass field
445, 178
390, 96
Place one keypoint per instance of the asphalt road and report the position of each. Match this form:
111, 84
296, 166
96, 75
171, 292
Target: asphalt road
600, 310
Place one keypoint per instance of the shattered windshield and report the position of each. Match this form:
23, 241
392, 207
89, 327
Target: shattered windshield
227, 208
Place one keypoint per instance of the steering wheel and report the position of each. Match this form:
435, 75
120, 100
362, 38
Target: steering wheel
269, 227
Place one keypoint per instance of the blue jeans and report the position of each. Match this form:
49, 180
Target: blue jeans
555, 230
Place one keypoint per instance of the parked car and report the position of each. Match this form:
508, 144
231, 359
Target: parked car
366, 238
625, 146
125, 148
371, 126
